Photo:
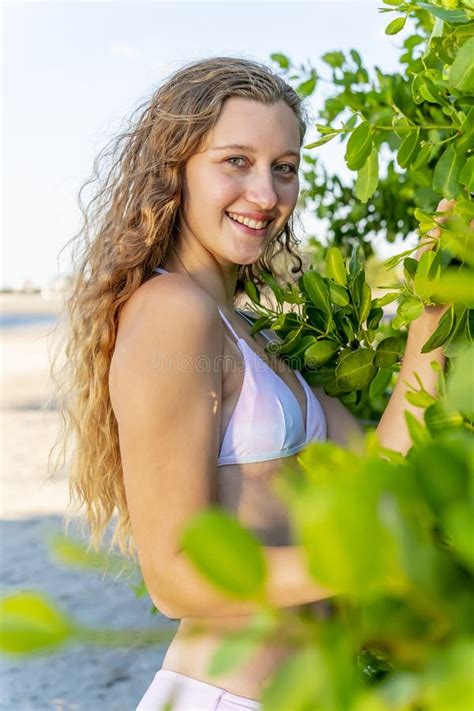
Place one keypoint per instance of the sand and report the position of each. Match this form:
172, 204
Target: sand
31, 507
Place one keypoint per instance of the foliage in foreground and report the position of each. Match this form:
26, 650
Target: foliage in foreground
393, 534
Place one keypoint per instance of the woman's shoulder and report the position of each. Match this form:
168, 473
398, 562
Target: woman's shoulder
166, 325
170, 298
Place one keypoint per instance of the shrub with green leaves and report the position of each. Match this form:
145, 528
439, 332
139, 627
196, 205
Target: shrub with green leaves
420, 121
332, 332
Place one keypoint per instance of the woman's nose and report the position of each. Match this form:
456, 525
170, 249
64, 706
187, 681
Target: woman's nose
261, 189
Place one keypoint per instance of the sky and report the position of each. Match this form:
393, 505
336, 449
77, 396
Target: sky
73, 71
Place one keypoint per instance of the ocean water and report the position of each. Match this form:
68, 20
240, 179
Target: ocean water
18, 320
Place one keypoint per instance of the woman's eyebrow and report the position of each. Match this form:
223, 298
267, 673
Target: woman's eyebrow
241, 147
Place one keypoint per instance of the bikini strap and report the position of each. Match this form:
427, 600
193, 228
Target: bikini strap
229, 325
160, 269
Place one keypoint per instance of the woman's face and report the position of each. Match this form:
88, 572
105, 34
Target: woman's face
256, 179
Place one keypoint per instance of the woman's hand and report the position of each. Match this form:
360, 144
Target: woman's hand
427, 242
392, 429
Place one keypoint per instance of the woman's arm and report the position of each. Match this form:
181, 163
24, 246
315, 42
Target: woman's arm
166, 388
180, 591
392, 429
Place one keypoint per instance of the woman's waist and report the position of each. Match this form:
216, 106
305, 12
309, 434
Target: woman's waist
197, 641
192, 655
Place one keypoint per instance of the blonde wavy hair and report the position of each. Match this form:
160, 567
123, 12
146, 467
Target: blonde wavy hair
128, 228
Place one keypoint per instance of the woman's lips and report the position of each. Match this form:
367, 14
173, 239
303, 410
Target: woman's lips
250, 230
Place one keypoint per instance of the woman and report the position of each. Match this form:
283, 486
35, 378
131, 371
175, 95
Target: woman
178, 405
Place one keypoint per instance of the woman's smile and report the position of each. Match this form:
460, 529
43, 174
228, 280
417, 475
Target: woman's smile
252, 228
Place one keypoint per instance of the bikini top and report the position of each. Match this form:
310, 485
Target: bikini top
267, 421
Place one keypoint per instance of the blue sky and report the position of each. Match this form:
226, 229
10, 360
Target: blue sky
72, 71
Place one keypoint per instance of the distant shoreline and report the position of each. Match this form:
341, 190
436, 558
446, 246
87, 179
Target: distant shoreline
26, 303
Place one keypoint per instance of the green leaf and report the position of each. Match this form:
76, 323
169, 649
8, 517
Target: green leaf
319, 320
357, 288
466, 176
296, 359
307, 87
355, 261
368, 177
386, 299
460, 388
438, 419
285, 323
388, 352
270, 280
427, 274
288, 345
374, 317
321, 141
365, 303
422, 158
380, 383
335, 266
75, 553
334, 59
359, 146
465, 142
410, 267
356, 57
261, 323
317, 290
441, 333
252, 291
446, 174
455, 286
409, 309
356, 370
452, 17
29, 623
226, 553
461, 73
280, 59
397, 323
458, 524
320, 353
338, 294
417, 85
431, 92
395, 26
418, 433
408, 148
420, 398
401, 126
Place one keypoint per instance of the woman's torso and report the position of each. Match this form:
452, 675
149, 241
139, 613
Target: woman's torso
245, 490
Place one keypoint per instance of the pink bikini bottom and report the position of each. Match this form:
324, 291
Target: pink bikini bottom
178, 692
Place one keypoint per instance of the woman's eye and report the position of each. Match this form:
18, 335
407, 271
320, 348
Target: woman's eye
234, 158
291, 168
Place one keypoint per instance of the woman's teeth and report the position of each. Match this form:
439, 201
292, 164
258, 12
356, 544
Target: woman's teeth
248, 222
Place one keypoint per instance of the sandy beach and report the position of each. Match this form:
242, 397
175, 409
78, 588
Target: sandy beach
31, 507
